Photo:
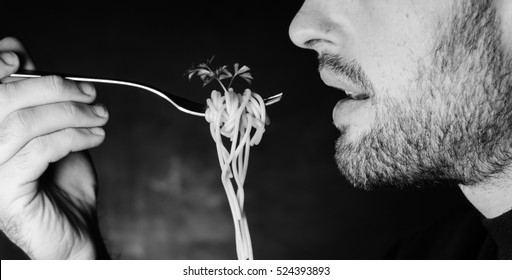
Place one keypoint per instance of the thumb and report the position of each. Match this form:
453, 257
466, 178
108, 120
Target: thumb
14, 45
9, 64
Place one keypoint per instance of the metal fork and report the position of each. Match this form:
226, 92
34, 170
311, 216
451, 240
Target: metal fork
180, 103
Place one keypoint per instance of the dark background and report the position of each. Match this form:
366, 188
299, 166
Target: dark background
160, 191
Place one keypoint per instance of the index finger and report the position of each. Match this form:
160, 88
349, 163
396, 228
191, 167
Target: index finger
41, 91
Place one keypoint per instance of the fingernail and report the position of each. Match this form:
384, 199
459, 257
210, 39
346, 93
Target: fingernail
9, 58
97, 131
87, 88
100, 110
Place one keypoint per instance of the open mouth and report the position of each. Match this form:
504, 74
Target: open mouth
351, 89
356, 95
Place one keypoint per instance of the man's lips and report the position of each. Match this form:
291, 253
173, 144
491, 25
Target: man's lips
343, 83
352, 110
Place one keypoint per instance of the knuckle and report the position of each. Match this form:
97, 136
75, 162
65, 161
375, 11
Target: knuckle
17, 125
71, 109
56, 83
8, 94
67, 136
4, 136
63, 139
38, 146
5, 96
23, 122
5, 144
49, 148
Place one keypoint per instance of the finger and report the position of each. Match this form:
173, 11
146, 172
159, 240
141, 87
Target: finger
14, 45
10, 79
22, 126
40, 91
55, 146
8, 64
35, 157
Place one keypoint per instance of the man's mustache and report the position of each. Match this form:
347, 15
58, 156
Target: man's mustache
345, 67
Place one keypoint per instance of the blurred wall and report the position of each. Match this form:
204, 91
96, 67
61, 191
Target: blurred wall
160, 191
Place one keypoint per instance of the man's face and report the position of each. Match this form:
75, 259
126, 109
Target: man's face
430, 84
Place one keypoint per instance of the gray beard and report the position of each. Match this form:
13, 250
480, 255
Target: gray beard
454, 123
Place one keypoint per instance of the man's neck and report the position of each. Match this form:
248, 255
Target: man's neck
492, 197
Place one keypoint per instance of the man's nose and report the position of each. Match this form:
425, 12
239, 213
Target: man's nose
309, 26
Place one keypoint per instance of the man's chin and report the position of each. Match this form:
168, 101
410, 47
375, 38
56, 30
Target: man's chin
349, 163
363, 168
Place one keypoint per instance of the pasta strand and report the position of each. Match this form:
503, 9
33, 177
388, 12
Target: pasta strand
241, 118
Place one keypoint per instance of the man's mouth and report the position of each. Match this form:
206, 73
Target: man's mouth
354, 108
351, 89
357, 96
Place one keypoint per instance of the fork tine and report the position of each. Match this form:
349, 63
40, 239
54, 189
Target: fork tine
273, 99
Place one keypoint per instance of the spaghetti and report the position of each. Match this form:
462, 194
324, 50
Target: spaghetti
241, 118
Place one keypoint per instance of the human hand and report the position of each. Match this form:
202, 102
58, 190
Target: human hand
47, 183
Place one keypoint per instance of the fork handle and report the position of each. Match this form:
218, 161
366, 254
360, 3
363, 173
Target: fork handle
197, 111
37, 74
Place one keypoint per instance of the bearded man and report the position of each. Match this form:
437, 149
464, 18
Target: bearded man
428, 87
